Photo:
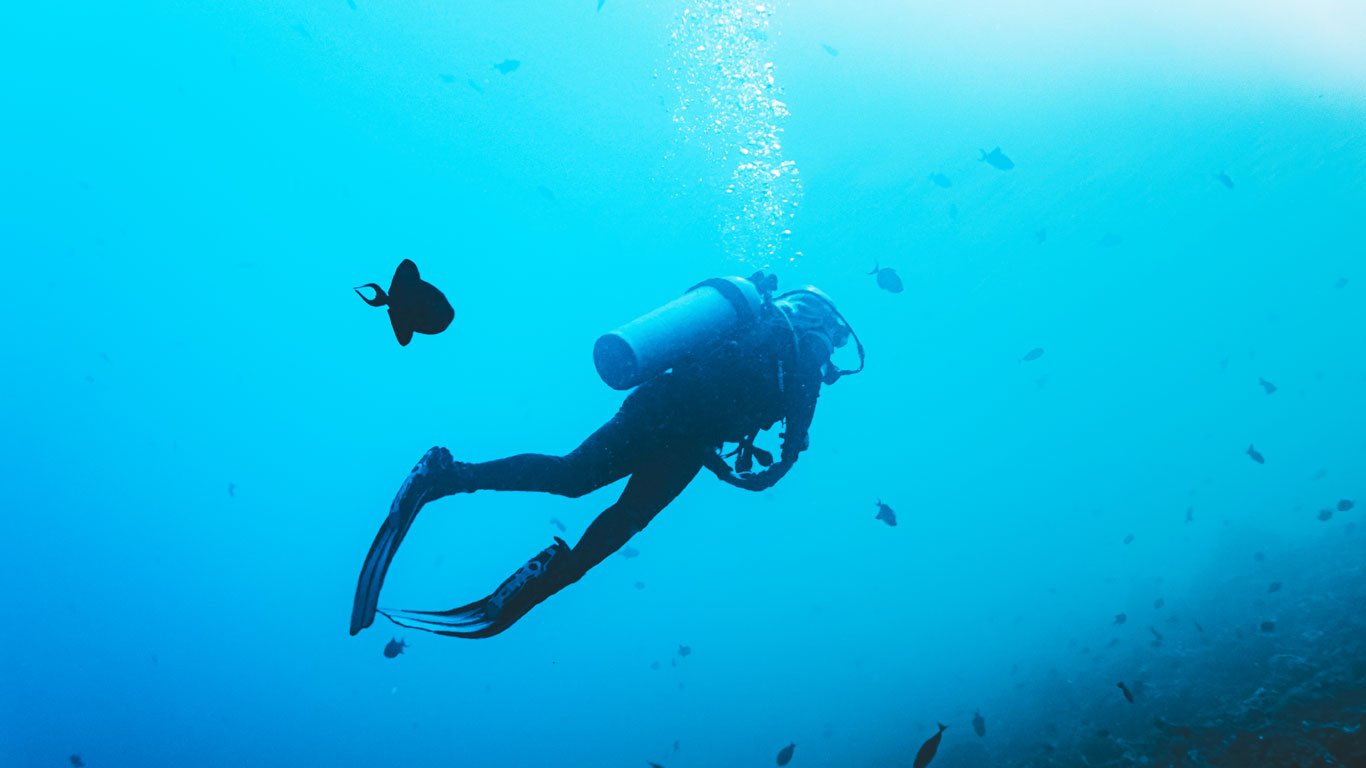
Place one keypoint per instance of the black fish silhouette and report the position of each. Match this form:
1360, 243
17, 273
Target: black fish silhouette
1120, 618
887, 278
996, 159
77, 761
979, 725
1325, 515
929, 748
885, 514
1268, 386
785, 754
1345, 505
1255, 455
394, 647
415, 305
1225, 179
1031, 355
1128, 694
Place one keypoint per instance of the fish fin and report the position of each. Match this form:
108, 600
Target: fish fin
942, 727
877, 267
380, 299
406, 270
402, 332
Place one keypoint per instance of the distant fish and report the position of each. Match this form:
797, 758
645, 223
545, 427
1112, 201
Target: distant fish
647, 762
996, 159
629, 552
1268, 626
1031, 355
1198, 628
1345, 505
1255, 455
1225, 179
77, 761
507, 65
1325, 515
351, 4
1128, 694
1259, 556
1341, 283
555, 521
476, 86
1157, 636
940, 180
394, 647
447, 79
979, 725
1158, 603
785, 754
415, 305
232, 490
1190, 514
640, 585
1129, 539
684, 651
1274, 586
1268, 386
1120, 618
1322, 473
830, 49
885, 514
675, 745
929, 748
1110, 240
1040, 236
887, 278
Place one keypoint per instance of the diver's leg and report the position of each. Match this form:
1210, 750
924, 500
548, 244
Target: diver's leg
651, 488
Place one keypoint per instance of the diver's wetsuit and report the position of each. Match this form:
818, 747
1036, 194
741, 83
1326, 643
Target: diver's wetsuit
664, 433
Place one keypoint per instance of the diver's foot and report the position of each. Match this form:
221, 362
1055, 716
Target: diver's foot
435, 475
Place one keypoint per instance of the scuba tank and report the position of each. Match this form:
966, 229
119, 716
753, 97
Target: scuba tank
707, 314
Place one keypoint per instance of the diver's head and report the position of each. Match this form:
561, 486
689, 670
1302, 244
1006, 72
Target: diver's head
811, 311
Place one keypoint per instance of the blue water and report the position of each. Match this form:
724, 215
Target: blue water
203, 425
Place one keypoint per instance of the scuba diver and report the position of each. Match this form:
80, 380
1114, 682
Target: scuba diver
717, 366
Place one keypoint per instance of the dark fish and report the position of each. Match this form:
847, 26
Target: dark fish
979, 725
887, 278
555, 521
830, 49
684, 651
394, 647
675, 745
1268, 626
1325, 515
1040, 236
940, 180
929, 748
1255, 455
232, 490
1345, 505
1190, 514
1128, 694
1274, 586
640, 585
647, 762
1120, 618
1319, 475
507, 65
77, 761
1031, 355
1157, 636
1259, 556
1223, 178
1129, 539
785, 754
885, 514
474, 85
1158, 603
447, 79
1268, 386
996, 159
415, 305
654, 665
629, 552
1198, 628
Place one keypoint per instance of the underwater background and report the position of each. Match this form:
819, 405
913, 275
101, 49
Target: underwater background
203, 426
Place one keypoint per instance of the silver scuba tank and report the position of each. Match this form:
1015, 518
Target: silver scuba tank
706, 315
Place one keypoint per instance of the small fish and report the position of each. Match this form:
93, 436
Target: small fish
640, 585
929, 748
1225, 179
555, 521
1198, 628
979, 725
1031, 355
1274, 586
415, 305
1325, 515
1040, 236
1255, 455
1268, 386
1128, 694
887, 278
830, 49
996, 159
1157, 636
1129, 539
1259, 556
654, 665
1120, 618
232, 490
447, 79
1322, 473
77, 761
885, 514
940, 180
785, 754
629, 552
1345, 505
1268, 626
476, 86
684, 651
1190, 514
1341, 283
1158, 603
507, 65
393, 648
675, 745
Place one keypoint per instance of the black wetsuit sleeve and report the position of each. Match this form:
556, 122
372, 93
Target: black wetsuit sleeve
801, 390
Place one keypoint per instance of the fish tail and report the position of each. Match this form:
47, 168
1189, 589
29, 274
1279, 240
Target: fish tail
380, 297
877, 267
983, 152
942, 727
